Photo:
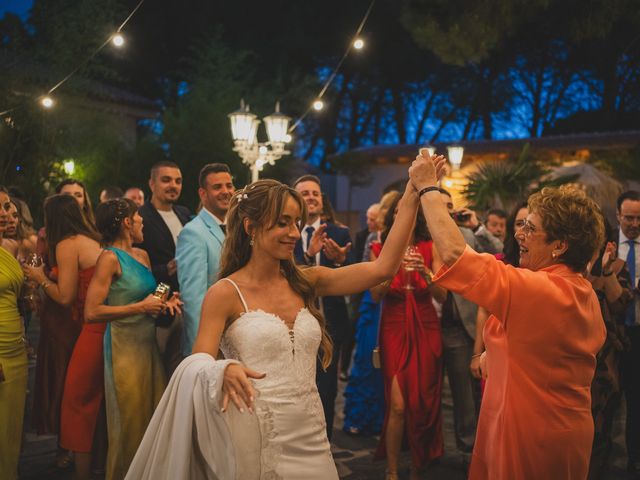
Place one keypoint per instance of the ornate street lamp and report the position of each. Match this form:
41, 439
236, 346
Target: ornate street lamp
244, 129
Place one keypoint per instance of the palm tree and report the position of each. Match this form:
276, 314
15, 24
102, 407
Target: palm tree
504, 184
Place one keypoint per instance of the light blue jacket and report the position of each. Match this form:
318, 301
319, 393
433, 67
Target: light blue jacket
198, 257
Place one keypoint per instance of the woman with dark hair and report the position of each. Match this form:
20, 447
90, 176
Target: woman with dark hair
514, 222
77, 190
13, 355
543, 334
59, 330
410, 350
74, 248
261, 313
121, 297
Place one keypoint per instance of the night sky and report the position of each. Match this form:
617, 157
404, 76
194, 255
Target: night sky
19, 7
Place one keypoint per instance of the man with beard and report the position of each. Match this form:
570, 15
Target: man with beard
162, 222
328, 245
200, 244
628, 215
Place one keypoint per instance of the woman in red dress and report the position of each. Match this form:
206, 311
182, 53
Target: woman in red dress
59, 330
73, 243
411, 350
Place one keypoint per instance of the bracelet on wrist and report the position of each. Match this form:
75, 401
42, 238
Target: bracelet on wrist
44, 284
476, 355
607, 274
431, 188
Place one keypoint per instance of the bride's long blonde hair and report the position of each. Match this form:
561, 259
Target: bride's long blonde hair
262, 203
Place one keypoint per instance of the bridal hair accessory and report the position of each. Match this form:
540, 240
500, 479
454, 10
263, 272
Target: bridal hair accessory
242, 196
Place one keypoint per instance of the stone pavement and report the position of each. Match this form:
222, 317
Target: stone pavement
353, 454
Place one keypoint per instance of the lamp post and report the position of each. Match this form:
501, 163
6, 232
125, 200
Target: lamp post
244, 129
455, 155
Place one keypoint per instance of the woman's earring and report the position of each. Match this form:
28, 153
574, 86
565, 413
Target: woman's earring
554, 254
251, 241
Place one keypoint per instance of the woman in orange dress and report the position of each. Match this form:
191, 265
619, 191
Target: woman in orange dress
73, 243
542, 337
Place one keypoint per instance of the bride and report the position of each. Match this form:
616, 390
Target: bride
257, 414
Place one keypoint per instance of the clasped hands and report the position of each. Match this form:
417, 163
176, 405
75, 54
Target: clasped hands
333, 251
426, 170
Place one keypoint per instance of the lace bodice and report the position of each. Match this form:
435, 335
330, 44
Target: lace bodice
287, 403
263, 342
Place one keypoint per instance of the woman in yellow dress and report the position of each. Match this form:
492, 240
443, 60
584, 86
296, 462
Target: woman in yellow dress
13, 354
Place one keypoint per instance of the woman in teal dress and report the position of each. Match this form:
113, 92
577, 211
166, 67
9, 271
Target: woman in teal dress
13, 355
121, 293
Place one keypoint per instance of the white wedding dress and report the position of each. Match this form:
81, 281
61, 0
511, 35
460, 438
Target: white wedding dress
285, 438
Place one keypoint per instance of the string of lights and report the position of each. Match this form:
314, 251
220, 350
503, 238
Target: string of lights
357, 43
117, 39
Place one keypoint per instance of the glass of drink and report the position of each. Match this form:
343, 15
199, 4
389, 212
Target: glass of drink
30, 292
408, 267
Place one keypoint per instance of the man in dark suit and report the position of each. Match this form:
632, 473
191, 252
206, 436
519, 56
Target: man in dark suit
328, 245
162, 222
628, 215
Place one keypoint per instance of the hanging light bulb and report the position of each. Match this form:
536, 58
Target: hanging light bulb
358, 44
69, 166
47, 101
288, 138
117, 40
318, 105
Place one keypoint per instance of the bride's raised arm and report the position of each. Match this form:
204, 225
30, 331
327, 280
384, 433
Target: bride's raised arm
362, 276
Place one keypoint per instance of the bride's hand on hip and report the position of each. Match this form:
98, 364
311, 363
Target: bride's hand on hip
237, 386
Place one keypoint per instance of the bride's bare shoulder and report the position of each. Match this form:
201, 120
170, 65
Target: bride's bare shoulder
221, 290
222, 301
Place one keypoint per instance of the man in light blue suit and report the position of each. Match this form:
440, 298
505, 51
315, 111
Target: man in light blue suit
200, 245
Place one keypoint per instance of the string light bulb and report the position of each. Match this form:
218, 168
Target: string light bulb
47, 101
117, 40
288, 138
358, 44
69, 167
318, 105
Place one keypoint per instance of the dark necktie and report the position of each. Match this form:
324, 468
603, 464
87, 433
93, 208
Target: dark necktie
630, 318
309, 231
223, 227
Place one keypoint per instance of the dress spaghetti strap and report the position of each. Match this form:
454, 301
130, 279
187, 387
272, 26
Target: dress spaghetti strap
244, 304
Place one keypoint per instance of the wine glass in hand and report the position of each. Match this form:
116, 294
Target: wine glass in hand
409, 267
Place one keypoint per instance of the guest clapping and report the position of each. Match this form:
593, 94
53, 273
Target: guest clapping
543, 334
122, 293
